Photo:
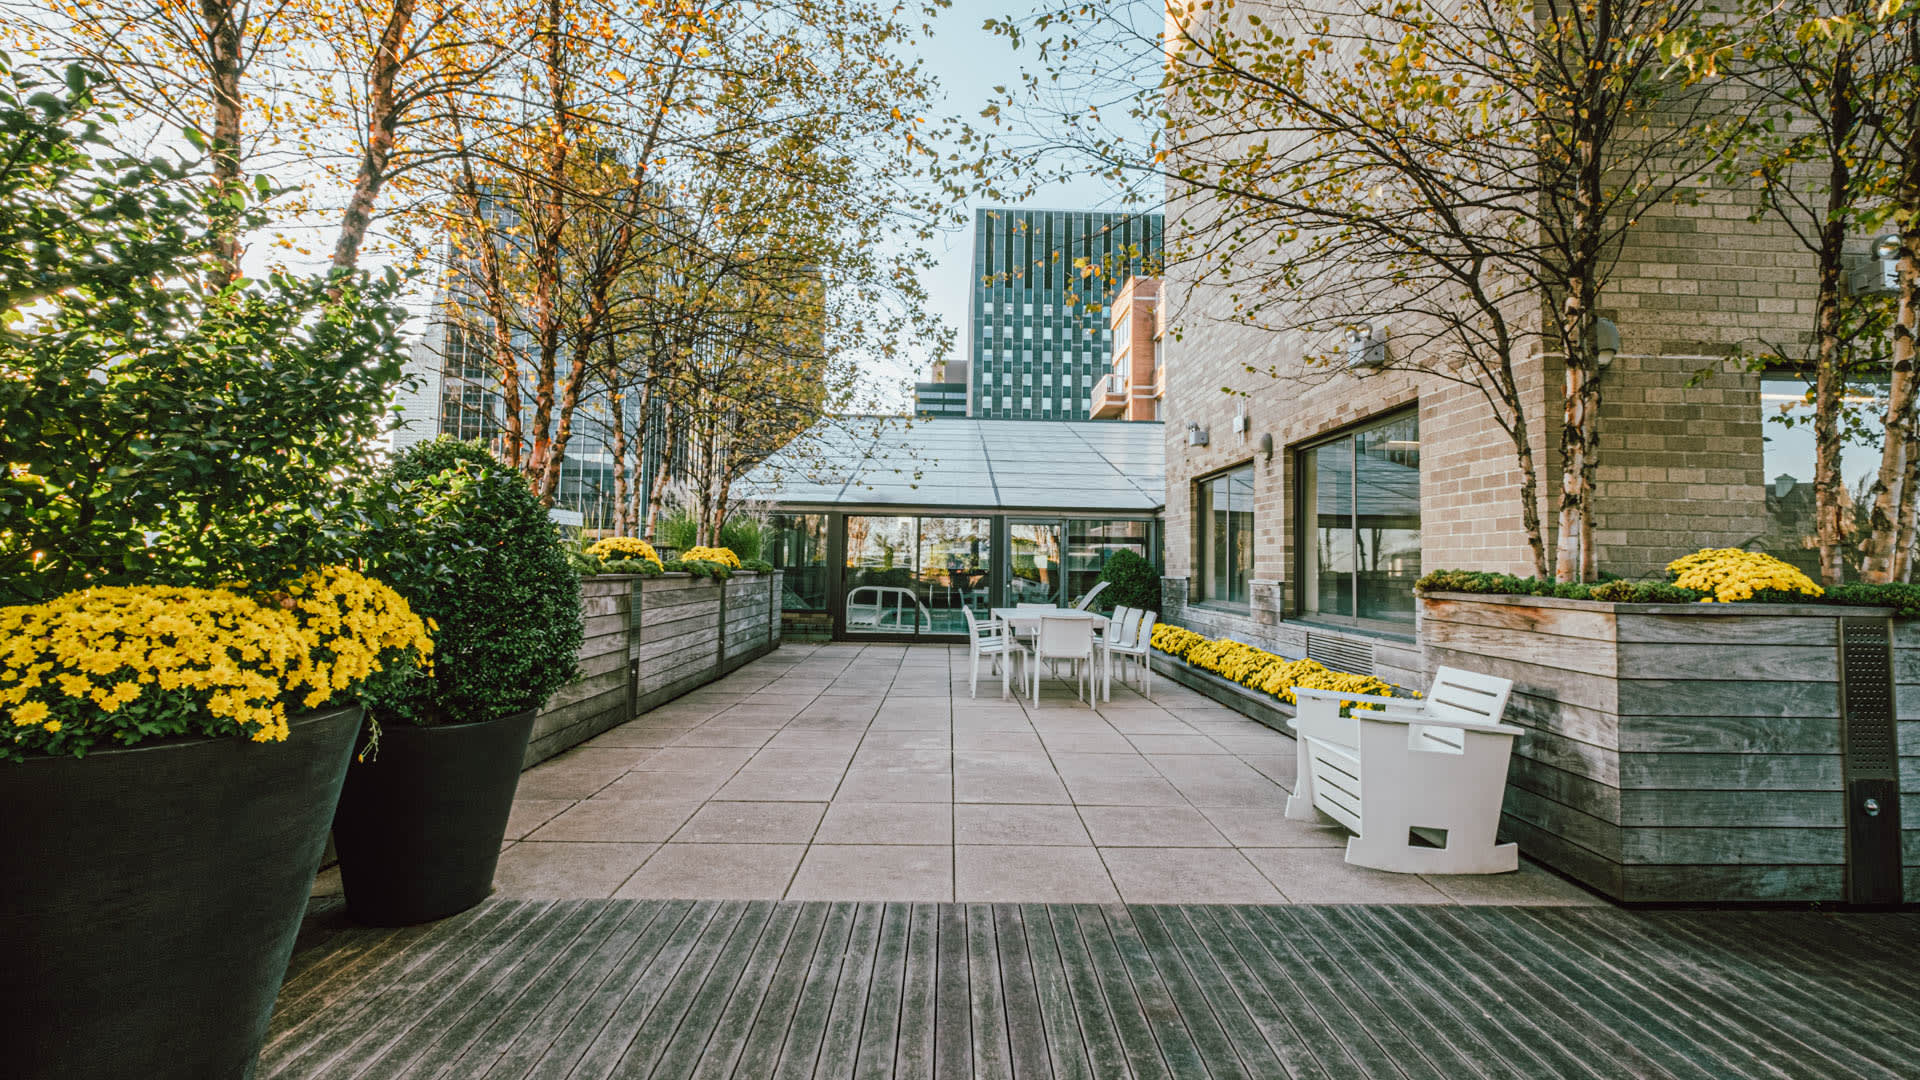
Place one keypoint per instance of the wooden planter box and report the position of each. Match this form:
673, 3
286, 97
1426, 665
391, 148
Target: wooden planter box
1702, 752
648, 640
1253, 704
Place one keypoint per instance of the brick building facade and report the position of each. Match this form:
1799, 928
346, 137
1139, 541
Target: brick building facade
1686, 460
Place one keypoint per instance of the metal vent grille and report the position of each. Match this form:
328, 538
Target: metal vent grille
1866, 674
1341, 654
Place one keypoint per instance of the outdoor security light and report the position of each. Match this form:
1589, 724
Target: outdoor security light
1606, 341
1887, 248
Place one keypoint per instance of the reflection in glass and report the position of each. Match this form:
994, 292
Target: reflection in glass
798, 545
910, 575
1035, 576
1786, 412
1362, 495
1091, 543
1226, 548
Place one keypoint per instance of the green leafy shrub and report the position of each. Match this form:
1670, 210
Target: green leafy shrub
744, 536
762, 565
1131, 582
463, 538
159, 425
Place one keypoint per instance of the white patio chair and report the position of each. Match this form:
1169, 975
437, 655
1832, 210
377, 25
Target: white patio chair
1134, 642
1115, 630
1419, 782
990, 639
1082, 603
1066, 639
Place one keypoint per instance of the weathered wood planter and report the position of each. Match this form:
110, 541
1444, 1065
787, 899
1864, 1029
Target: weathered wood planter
650, 639
1250, 703
1703, 752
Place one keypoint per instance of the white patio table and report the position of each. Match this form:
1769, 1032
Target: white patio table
1025, 621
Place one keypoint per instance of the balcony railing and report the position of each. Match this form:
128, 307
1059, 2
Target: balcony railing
1108, 399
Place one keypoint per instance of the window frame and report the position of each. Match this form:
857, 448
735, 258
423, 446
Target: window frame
1304, 526
1203, 538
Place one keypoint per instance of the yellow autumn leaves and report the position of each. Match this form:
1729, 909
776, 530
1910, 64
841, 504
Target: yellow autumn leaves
126, 662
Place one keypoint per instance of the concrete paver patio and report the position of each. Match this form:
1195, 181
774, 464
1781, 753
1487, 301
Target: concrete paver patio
850, 772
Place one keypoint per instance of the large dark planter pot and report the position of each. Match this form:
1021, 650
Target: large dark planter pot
149, 899
420, 825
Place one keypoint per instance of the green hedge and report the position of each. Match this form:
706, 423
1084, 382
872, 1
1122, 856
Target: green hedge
1904, 598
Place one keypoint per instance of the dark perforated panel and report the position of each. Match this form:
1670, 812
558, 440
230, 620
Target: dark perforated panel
1866, 663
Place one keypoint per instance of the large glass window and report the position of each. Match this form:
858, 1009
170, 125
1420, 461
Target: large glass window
1035, 550
1091, 543
798, 545
1359, 506
908, 575
1786, 409
1226, 536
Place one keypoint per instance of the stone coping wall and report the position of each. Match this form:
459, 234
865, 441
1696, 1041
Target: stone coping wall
1697, 752
650, 639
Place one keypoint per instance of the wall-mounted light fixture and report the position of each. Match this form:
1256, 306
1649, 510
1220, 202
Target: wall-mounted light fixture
1266, 446
1876, 273
1366, 346
1196, 435
1606, 342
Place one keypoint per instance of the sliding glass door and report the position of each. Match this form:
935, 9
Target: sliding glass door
914, 575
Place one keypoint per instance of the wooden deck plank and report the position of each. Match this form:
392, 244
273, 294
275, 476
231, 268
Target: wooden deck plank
801, 1049
1647, 1027
712, 990
992, 1054
564, 1009
769, 1031
595, 1037
1300, 1041
1867, 1041
839, 1049
1202, 990
689, 1004
1297, 983
1190, 1042
1097, 1026
952, 1007
445, 1032
719, 1045
1427, 1019
309, 1040
1543, 1035
1026, 1034
1129, 1020
1066, 1048
913, 1060
880, 1030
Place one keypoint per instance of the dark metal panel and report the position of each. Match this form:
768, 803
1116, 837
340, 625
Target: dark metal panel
1871, 761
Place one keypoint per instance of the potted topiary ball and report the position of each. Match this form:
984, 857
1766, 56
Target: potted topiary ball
425, 807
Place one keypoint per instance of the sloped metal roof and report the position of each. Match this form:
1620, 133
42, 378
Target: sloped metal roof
973, 464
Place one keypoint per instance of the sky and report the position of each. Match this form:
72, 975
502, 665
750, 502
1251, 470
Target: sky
969, 62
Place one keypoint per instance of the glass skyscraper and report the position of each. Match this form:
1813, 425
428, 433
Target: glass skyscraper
1039, 336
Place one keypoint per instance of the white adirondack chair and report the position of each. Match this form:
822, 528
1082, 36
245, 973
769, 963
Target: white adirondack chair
1418, 782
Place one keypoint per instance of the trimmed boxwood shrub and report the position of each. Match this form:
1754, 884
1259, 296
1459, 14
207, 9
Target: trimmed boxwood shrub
1131, 582
465, 540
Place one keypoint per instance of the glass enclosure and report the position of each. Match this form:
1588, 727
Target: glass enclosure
1034, 548
1360, 499
1091, 542
915, 575
797, 543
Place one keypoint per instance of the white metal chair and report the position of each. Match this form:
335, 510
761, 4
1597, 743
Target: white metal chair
1066, 639
991, 639
1133, 642
1116, 630
1418, 782
1082, 603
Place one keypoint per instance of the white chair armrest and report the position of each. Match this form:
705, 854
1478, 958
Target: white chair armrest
1336, 695
1435, 721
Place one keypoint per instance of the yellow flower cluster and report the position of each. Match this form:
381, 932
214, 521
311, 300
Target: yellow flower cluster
1727, 575
723, 556
624, 547
127, 663
1176, 640
1262, 670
